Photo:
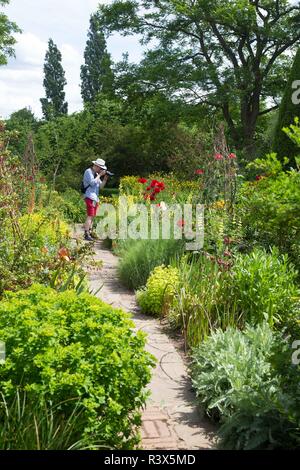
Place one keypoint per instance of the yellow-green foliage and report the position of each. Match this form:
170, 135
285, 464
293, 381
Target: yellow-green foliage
44, 231
159, 291
129, 185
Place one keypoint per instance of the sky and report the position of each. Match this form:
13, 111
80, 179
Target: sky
67, 23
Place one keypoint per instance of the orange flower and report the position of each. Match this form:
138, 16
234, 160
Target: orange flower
64, 254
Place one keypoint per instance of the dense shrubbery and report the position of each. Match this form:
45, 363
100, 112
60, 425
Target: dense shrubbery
237, 379
212, 293
269, 208
234, 301
38, 249
139, 258
64, 347
264, 287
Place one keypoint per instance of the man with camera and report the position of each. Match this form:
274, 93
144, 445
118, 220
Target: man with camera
91, 185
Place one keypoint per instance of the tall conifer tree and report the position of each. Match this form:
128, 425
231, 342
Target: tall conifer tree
54, 104
96, 74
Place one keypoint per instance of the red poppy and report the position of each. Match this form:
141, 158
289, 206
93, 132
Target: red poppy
232, 156
152, 197
142, 180
199, 172
149, 188
161, 186
157, 190
218, 156
258, 177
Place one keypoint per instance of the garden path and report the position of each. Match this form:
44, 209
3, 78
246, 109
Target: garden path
172, 419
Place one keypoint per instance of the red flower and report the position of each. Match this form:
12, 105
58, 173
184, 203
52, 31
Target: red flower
157, 190
142, 180
152, 197
199, 172
147, 196
181, 223
258, 177
161, 186
232, 156
218, 156
154, 183
149, 188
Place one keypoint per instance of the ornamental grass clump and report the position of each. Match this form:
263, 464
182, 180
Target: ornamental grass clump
159, 291
140, 257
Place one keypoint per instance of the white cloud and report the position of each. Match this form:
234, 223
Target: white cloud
66, 22
30, 49
21, 83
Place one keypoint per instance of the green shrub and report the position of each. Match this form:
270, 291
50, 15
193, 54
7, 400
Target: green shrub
264, 286
160, 290
68, 204
44, 231
269, 208
73, 207
37, 248
237, 380
139, 258
65, 346
228, 363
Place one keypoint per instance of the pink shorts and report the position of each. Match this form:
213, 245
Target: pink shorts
91, 207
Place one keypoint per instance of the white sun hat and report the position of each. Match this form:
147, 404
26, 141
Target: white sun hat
101, 163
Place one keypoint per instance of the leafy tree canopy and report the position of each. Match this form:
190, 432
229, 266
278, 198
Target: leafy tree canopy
7, 40
230, 54
289, 110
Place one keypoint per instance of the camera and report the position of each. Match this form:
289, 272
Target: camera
109, 173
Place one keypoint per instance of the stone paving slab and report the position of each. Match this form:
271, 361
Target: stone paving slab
172, 419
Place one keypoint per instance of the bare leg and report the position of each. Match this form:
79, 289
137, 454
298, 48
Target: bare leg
88, 224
